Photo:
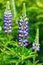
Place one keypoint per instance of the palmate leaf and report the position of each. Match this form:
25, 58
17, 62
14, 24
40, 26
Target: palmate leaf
36, 63
21, 55
29, 62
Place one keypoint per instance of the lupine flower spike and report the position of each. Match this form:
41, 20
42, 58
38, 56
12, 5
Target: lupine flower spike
36, 45
7, 19
23, 30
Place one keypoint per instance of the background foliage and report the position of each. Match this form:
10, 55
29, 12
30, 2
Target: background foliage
10, 52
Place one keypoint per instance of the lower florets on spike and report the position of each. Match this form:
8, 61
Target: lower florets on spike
36, 46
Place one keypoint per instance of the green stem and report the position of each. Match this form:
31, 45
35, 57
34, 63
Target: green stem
34, 58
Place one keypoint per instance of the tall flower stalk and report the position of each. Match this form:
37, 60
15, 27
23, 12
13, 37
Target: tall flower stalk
23, 29
7, 19
36, 45
14, 9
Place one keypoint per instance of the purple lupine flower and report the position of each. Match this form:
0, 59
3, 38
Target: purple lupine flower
7, 20
26, 44
23, 32
36, 47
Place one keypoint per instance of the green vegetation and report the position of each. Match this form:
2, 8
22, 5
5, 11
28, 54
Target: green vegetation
10, 52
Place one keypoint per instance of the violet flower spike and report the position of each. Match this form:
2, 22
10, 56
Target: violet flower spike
36, 45
7, 19
23, 32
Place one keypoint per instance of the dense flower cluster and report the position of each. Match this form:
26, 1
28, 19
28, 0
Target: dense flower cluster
23, 32
36, 46
7, 21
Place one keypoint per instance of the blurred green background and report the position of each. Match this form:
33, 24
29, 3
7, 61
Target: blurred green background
10, 52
